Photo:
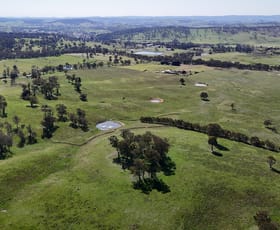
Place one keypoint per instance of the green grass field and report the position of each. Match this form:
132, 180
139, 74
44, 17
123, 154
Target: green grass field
244, 58
26, 64
202, 35
206, 36
55, 185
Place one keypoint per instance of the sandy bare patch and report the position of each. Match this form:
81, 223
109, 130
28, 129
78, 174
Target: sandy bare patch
200, 84
156, 100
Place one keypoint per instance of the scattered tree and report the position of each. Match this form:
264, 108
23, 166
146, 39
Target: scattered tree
48, 124
25, 92
204, 96
14, 74
267, 123
33, 100
78, 84
271, 161
83, 97
31, 137
74, 120
35, 72
9, 128
3, 105
212, 141
16, 120
21, 137
182, 81
82, 121
61, 112
6, 142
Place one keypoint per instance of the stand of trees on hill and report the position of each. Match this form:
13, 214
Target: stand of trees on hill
77, 120
25, 134
145, 156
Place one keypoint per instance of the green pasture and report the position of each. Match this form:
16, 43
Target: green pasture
25, 65
206, 36
62, 187
70, 182
244, 58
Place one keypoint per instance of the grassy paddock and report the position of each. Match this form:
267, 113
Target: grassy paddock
25, 65
59, 186
88, 191
244, 58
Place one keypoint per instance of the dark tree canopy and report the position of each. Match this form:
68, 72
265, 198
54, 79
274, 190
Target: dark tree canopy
145, 156
214, 130
271, 161
48, 123
204, 96
61, 110
3, 105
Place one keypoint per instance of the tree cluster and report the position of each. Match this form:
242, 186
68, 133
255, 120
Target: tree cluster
3, 105
176, 59
145, 156
77, 83
118, 60
269, 125
214, 130
25, 135
6, 140
25, 45
241, 48
48, 122
79, 120
238, 65
48, 87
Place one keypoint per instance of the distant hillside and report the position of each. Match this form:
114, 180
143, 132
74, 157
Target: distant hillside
116, 23
219, 34
147, 34
72, 21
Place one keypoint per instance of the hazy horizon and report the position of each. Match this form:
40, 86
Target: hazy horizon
136, 16
144, 8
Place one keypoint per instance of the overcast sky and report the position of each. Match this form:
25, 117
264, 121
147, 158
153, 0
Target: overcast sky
83, 8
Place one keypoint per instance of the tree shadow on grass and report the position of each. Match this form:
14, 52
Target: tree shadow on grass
217, 154
221, 147
273, 129
148, 184
275, 170
33, 107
